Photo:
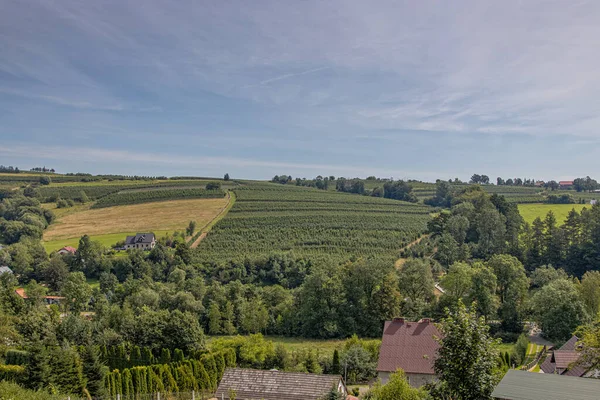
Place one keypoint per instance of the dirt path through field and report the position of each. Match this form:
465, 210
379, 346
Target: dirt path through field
400, 262
206, 228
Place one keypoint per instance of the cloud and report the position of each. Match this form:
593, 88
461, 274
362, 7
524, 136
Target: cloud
287, 76
92, 155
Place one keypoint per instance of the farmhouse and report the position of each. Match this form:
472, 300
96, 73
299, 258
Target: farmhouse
523, 385
251, 384
67, 250
411, 346
144, 241
566, 184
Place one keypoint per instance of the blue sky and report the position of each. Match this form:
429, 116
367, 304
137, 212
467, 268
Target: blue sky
399, 89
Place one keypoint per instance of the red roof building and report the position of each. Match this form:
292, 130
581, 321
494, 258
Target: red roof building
67, 249
48, 299
565, 184
411, 346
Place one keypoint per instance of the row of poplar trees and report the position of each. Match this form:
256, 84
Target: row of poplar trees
201, 375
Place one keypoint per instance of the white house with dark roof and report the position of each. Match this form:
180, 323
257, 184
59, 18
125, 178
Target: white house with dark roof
142, 241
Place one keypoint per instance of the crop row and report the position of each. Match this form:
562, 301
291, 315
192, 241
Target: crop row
310, 223
125, 198
94, 192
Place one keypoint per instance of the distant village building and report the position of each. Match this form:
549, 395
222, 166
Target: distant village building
566, 184
523, 385
143, 241
411, 346
48, 299
593, 202
252, 384
67, 250
539, 183
5, 270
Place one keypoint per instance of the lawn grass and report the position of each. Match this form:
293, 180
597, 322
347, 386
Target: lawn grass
322, 346
110, 225
505, 347
529, 212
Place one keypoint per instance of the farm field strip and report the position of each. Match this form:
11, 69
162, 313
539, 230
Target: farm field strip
166, 216
529, 212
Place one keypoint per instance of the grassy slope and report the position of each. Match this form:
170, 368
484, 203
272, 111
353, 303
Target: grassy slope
112, 224
531, 211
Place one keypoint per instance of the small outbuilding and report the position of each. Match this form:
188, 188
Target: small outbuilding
252, 384
523, 385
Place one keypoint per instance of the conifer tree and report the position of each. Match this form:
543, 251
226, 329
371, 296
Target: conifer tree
38, 369
94, 371
335, 365
165, 356
178, 355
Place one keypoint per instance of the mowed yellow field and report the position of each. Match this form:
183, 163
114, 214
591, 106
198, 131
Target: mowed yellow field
149, 217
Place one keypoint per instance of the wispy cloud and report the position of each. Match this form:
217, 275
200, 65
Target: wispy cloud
287, 76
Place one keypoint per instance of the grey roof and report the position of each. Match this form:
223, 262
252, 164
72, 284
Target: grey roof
251, 384
5, 269
523, 385
140, 238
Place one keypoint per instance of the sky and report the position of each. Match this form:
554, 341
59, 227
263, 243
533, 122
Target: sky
402, 89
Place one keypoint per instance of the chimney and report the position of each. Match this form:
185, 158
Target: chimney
425, 320
400, 320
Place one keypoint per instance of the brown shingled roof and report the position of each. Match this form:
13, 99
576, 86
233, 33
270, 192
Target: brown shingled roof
411, 346
571, 344
251, 384
563, 358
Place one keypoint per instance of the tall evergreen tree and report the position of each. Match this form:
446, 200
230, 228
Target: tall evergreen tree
94, 371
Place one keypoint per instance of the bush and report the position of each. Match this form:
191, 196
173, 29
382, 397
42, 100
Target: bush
213, 185
45, 180
519, 351
562, 199
63, 204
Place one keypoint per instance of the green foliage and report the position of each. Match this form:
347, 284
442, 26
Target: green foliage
519, 351
213, 185
397, 388
467, 358
335, 364
12, 391
16, 357
12, 373
558, 309
137, 197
